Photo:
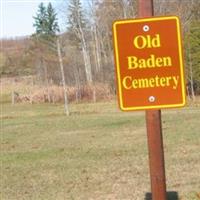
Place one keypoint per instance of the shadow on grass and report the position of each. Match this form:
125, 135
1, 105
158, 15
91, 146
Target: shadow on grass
170, 196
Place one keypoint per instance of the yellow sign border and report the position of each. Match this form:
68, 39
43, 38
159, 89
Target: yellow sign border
180, 60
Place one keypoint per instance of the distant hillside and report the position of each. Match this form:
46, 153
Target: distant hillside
15, 57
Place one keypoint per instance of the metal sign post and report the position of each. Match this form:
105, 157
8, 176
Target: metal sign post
154, 132
156, 154
150, 77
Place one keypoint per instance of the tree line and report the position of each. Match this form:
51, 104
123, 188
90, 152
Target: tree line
83, 53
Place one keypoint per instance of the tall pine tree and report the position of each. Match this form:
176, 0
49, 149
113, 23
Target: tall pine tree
52, 23
44, 41
46, 22
40, 20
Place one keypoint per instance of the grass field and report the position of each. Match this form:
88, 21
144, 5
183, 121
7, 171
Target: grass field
98, 153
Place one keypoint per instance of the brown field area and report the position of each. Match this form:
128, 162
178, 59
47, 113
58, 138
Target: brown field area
97, 153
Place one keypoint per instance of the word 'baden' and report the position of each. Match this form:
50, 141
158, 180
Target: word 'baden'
142, 42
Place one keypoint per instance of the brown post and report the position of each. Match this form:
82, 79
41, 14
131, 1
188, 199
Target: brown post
154, 131
156, 154
145, 8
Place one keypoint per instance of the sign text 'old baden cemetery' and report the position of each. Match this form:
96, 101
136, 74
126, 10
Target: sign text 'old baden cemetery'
149, 63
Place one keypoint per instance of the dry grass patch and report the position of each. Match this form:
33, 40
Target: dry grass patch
96, 153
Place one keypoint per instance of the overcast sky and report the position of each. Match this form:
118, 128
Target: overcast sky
17, 16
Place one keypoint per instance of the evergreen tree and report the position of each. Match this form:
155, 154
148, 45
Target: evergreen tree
52, 24
44, 40
46, 24
40, 20
46, 21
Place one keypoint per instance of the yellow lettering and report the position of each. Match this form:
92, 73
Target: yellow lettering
143, 83
135, 83
156, 41
148, 41
151, 62
132, 62
167, 61
140, 42
129, 82
175, 80
162, 81
159, 62
167, 80
142, 63
152, 82
125, 84
157, 81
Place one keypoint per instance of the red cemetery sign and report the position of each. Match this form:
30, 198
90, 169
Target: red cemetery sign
149, 63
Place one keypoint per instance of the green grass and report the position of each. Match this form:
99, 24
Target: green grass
96, 153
